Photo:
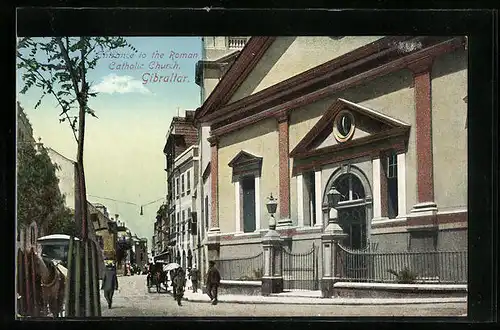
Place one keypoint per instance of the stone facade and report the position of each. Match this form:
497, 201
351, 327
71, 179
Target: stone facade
403, 167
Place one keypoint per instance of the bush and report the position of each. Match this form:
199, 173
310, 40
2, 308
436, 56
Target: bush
257, 275
405, 276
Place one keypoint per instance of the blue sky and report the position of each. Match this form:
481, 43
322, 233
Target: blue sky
123, 155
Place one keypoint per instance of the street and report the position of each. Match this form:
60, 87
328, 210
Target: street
133, 300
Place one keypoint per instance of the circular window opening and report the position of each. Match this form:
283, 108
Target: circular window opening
344, 126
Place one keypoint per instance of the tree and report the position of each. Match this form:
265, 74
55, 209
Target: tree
38, 196
63, 75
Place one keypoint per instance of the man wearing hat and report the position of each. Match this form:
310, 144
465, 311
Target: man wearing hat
109, 283
194, 275
212, 282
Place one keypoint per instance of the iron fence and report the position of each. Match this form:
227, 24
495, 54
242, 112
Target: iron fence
402, 267
241, 269
300, 270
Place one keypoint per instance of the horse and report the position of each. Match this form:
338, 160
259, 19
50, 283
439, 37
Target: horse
53, 283
160, 278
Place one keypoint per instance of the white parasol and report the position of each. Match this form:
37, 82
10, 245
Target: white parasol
172, 266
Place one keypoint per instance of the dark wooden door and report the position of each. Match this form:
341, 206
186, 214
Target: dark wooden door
248, 187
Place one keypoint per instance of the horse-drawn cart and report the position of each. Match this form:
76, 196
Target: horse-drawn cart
157, 276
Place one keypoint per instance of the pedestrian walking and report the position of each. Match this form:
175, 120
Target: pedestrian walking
212, 282
195, 276
109, 284
179, 283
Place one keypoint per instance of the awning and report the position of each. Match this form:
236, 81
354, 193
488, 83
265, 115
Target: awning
161, 255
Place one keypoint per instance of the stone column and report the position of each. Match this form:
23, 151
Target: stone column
332, 235
213, 239
284, 171
214, 176
272, 281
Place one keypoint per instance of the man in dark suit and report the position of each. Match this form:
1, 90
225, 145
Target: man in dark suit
195, 275
109, 284
178, 284
213, 281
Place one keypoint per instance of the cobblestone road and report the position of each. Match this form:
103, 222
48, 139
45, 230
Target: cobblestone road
133, 299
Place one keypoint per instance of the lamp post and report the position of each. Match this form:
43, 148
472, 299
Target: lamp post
272, 280
272, 205
330, 238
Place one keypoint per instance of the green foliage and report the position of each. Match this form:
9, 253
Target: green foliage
38, 196
256, 276
258, 273
58, 66
405, 276
63, 72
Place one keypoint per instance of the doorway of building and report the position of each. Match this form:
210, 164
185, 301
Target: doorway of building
352, 210
248, 188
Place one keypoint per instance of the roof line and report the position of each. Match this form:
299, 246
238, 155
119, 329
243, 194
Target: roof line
57, 152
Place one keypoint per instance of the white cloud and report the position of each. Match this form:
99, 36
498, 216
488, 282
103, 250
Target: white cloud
113, 83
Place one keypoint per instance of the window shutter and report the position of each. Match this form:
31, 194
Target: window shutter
194, 223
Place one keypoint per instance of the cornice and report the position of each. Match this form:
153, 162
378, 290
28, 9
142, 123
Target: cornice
373, 148
310, 77
361, 78
422, 65
236, 74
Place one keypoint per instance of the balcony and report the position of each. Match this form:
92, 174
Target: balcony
237, 42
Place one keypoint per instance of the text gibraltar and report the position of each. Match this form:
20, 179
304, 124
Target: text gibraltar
149, 77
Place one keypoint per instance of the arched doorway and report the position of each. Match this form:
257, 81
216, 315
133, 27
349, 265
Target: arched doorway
355, 206
189, 259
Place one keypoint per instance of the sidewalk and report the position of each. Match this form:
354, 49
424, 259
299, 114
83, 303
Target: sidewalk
313, 298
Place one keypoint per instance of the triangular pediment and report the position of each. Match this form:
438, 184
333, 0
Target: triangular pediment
346, 124
236, 74
244, 158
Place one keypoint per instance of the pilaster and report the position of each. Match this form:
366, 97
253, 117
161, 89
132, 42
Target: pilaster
284, 170
214, 168
426, 206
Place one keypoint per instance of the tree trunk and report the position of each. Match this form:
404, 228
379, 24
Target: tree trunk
81, 173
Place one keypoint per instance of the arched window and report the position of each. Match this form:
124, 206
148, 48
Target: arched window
350, 187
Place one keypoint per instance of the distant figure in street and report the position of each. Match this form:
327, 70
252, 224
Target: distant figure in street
109, 284
213, 281
179, 282
195, 276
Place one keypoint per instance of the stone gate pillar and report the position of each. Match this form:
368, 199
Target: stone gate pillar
332, 235
272, 281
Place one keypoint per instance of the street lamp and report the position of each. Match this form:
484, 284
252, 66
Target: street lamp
271, 205
333, 197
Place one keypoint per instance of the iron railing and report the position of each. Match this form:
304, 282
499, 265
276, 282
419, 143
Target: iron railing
242, 269
300, 270
402, 267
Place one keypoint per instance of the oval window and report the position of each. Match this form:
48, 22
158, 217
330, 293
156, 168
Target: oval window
343, 128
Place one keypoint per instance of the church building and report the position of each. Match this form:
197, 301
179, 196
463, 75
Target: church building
381, 119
